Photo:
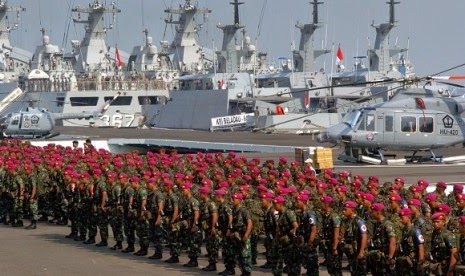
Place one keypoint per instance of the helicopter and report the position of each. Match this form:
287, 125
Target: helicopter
34, 122
414, 119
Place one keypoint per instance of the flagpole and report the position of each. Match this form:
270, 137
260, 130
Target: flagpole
332, 65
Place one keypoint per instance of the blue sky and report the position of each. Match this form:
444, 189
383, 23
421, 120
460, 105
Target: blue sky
433, 29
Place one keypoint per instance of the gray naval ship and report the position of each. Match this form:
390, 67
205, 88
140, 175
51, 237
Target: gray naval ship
288, 99
94, 73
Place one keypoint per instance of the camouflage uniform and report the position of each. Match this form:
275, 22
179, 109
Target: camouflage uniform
102, 215
224, 211
253, 205
330, 221
16, 189
31, 199
378, 250
142, 223
241, 249
81, 214
441, 243
116, 214
154, 200
212, 241
286, 252
72, 196
354, 228
171, 203
190, 228
91, 218
129, 218
407, 259
270, 232
309, 255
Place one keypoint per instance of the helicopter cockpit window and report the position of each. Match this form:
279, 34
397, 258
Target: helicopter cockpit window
408, 124
367, 123
15, 121
426, 124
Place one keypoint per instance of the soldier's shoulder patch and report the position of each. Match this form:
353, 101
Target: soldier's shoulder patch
421, 239
363, 229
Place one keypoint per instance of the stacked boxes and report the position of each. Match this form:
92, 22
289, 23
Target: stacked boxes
323, 158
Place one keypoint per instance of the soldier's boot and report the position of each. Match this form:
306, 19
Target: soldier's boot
71, 235
129, 249
173, 260
18, 223
118, 245
91, 240
228, 271
80, 238
142, 251
267, 265
210, 267
156, 256
192, 263
254, 260
102, 244
62, 221
32, 226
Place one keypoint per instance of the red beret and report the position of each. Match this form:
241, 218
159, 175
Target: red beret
423, 183
438, 216
223, 184
431, 197
444, 208
134, 179
405, 212
342, 189
204, 190
279, 199
344, 174
462, 219
321, 185
416, 188
327, 199
267, 195
400, 179
186, 186
414, 202
356, 183
441, 184
460, 197
358, 177
238, 196
458, 187
369, 197
395, 198
220, 192
350, 204
305, 192
302, 197
377, 207
373, 178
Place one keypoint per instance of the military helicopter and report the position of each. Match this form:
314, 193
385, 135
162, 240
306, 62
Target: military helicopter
415, 119
38, 122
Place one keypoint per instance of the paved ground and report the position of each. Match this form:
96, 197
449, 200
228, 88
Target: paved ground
45, 251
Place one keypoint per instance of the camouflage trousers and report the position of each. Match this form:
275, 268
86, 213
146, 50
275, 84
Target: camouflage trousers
81, 221
16, 208
72, 214
310, 260
376, 263
156, 235
438, 269
212, 245
91, 221
242, 250
268, 243
130, 229
287, 253
227, 251
4, 201
116, 223
194, 242
103, 220
254, 245
357, 267
405, 265
33, 207
173, 236
142, 232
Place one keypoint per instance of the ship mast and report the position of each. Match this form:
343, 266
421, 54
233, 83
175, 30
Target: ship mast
185, 49
5, 29
93, 48
380, 55
304, 58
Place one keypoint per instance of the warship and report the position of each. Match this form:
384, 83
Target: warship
243, 93
94, 73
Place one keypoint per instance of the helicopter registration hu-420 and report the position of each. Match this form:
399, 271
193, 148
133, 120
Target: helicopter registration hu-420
39, 123
415, 119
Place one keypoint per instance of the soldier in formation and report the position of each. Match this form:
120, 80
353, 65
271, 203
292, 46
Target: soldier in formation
230, 204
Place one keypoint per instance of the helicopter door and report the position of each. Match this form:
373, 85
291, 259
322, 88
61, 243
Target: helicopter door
414, 129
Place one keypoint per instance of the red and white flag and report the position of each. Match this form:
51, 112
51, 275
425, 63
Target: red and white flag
339, 55
119, 62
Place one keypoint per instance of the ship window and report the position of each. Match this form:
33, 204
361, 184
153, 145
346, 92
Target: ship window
148, 100
123, 100
84, 101
389, 123
408, 124
426, 124
60, 101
